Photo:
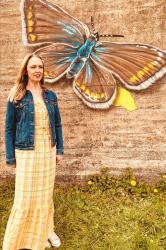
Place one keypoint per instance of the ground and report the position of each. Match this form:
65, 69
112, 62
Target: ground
108, 213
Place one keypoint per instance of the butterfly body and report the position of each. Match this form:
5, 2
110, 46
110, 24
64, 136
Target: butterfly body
85, 50
93, 65
83, 54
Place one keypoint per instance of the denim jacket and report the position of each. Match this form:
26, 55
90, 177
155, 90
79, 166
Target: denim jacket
19, 125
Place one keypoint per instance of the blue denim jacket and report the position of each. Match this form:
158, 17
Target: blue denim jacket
19, 126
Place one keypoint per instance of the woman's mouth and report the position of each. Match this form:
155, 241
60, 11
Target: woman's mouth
37, 75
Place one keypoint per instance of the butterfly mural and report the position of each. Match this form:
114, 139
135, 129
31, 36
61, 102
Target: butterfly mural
93, 64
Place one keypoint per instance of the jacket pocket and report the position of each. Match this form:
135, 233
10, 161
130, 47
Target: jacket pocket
21, 105
21, 109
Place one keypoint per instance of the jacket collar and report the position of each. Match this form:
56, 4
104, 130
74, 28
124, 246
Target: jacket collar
44, 92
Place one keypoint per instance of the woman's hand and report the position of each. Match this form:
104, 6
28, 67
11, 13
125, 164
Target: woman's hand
59, 158
13, 165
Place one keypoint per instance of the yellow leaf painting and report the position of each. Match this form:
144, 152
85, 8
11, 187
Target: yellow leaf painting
125, 99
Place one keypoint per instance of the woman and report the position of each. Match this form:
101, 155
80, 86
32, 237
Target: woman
34, 142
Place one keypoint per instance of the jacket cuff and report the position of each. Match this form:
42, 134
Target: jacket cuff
59, 151
11, 161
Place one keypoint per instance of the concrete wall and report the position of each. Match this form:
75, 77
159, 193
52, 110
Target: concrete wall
115, 137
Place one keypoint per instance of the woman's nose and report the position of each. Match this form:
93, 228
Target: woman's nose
38, 69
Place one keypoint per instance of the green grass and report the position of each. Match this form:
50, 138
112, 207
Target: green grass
107, 213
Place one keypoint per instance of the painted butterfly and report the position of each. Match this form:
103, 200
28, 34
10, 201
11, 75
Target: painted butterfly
93, 65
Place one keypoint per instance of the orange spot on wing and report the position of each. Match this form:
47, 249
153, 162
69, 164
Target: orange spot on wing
140, 73
32, 37
30, 7
134, 79
146, 69
82, 87
78, 84
29, 16
30, 22
150, 65
98, 96
93, 95
102, 95
87, 91
52, 73
30, 29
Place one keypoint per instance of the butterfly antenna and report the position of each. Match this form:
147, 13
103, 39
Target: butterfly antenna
92, 24
108, 35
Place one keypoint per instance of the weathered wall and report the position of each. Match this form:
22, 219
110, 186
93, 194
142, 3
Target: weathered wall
114, 137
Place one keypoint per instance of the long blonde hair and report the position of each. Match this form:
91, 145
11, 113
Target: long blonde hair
19, 88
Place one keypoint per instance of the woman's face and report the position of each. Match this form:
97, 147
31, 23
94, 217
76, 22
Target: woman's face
35, 69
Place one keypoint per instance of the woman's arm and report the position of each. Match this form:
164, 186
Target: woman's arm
10, 133
58, 129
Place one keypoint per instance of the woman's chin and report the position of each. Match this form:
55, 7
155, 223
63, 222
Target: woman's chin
36, 79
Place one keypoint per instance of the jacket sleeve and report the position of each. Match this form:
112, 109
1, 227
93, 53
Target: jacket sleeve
58, 129
10, 133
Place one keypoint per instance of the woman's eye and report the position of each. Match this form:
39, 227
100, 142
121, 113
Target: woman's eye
33, 67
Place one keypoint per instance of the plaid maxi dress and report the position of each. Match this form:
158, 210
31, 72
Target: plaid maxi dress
31, 219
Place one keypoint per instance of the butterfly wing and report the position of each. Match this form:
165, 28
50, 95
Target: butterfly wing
95, 86
137, 66
44, 22
57, 59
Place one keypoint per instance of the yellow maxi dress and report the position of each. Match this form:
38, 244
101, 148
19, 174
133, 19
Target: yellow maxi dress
31, 220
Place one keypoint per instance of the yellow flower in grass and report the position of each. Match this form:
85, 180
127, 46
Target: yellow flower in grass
133, 183
90, 182
155, 190
164, 176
